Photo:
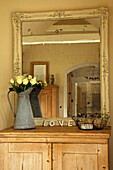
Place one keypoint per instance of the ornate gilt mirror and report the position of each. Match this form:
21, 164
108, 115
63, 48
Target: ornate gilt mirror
75, 46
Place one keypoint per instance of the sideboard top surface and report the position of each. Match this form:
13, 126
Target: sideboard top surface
56, 132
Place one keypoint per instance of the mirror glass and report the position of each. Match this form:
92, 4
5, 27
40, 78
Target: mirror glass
71, 47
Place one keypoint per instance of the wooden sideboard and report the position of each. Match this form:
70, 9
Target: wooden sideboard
49, 101
54, 148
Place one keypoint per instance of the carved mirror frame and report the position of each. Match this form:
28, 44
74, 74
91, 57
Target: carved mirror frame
102, 13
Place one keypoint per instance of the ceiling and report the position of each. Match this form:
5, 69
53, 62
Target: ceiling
61, 31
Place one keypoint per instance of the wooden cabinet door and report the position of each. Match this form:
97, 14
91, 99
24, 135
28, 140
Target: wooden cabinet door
25, 156
45, 102
75, 157
49, 101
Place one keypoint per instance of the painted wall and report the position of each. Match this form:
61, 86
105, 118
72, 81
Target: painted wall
6, 47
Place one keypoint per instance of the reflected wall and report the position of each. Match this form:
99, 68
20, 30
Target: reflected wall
60, 57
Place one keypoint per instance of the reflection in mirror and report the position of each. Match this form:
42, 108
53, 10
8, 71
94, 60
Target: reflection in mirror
88, 97
84, 90
72, 49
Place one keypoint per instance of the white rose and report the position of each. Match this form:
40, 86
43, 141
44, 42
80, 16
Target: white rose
19, 81
33, 81
20, 77
12, 81
25, 81
29, 77
35, 78
45, 83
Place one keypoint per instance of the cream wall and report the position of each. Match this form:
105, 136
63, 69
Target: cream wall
6, 64
60, 58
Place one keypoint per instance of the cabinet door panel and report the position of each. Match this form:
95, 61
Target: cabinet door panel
15, 161
69, 162
75, 156
45, 102
33, 161
25, 161
29, 156
87, 162
79, 162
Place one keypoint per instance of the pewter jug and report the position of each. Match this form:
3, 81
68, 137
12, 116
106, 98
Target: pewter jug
24, 115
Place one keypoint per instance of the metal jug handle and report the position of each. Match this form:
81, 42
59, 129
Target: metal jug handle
10, 103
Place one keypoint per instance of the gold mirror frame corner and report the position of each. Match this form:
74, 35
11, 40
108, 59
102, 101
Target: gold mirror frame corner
102, 13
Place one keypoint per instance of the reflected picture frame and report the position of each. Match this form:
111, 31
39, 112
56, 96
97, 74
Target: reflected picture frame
40, 70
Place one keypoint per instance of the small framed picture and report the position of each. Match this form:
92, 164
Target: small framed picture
40, 70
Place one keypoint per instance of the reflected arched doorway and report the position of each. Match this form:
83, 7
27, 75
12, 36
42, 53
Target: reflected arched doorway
80, 82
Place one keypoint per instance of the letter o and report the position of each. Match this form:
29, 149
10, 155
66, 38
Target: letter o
51, 123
